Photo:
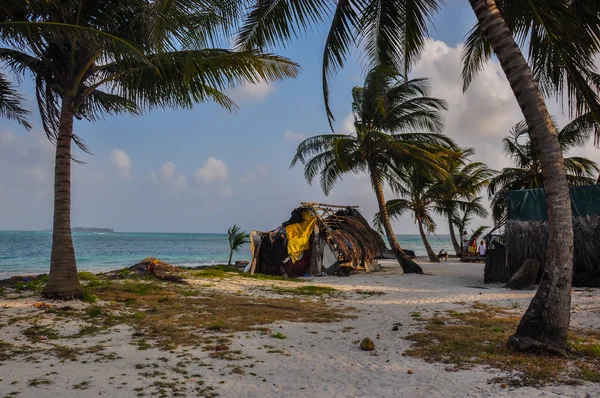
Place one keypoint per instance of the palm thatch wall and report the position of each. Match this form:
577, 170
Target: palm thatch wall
529, 239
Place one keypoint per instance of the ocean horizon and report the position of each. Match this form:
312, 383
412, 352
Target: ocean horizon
28, 252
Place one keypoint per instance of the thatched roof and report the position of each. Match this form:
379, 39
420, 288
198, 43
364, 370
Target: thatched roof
346, 226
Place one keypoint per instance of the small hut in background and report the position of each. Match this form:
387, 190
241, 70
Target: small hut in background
318, 238
526, 235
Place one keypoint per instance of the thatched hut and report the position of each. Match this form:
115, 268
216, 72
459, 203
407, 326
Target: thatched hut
317, 238
527, 236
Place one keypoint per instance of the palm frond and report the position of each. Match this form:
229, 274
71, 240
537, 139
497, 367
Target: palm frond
475, 53
11, 104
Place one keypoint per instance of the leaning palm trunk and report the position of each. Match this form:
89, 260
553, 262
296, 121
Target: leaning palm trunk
546, 322
457, 247
430, 253
408, 266
63, 282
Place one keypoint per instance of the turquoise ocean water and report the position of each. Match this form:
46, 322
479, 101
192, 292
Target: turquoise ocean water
28, 252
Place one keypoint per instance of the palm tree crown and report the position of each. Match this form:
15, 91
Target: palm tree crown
387, 112
527, 173
455, 193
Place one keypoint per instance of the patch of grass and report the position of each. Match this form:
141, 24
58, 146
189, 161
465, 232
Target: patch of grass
88, 296
279, 336
39, 382
35, 332
263, 277
141, 288
64, 352
515, 305
84, 385
415, 315
370, 292
238, 371
216, 271
168, 319
87, 330
227, 355
143, 345
479, 337
2, 291
228, 271
94, 312
310, 290
124, 273
34, 284
87, 276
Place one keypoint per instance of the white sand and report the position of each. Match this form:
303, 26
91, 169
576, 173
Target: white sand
323, 361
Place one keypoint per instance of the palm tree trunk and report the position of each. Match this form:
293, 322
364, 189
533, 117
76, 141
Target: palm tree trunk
430, 253
546, 322
230, 255
408, 266
457, 247
62, 280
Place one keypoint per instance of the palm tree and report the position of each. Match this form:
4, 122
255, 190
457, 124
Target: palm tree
528, 172
563, 40
102, 57
236, 240
386, 111
10, 104
466, 212
463, 182
418, 197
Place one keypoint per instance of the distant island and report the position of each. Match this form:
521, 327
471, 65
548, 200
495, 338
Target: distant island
92, 229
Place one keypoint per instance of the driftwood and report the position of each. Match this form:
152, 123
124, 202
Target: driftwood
152, 266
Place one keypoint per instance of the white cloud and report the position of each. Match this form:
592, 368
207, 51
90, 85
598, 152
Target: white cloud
348, 124
253, 92
167, 175
179, 182
122, 162
481, 116
213, 170
291, 136
167, 170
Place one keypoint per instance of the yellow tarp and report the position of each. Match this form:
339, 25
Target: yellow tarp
298, 236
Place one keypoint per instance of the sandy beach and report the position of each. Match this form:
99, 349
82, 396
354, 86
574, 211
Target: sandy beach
308, 360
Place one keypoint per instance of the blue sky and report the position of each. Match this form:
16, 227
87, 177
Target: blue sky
204, 169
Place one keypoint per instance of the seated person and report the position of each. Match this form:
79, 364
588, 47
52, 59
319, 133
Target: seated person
482, 248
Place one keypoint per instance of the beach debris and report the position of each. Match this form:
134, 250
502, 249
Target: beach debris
395, 328
503, 385
41, 305
367, 345
241, 264
378, 336
43, 337
409, 372
152, 266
